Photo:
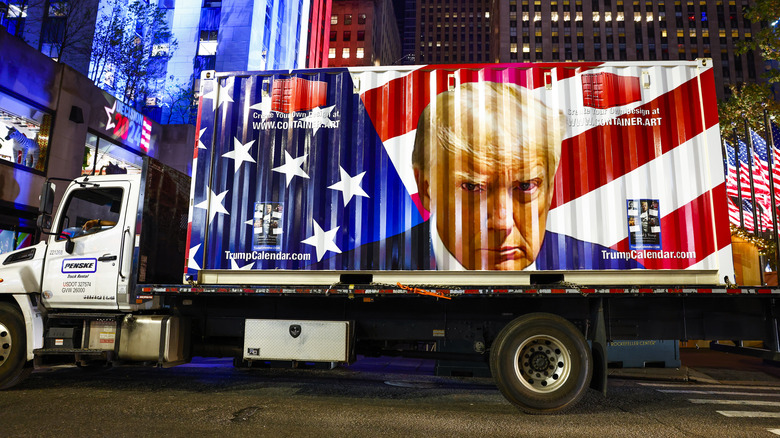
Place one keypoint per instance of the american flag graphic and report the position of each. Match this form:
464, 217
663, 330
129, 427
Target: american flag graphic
341, 177
146, 135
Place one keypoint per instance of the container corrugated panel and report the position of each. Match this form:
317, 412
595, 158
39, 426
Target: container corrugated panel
483, 167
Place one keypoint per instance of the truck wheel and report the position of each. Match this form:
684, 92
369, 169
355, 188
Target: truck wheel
13, 347
541, 363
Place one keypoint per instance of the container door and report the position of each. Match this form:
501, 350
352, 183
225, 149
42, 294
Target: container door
88, 277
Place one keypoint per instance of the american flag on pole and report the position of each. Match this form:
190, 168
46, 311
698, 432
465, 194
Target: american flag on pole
776, 159
337, 166
730, 161
764, 200
747, 209
733, 212
750, 168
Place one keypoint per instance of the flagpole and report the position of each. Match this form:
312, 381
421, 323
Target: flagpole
756, 218
739, 178
770, 146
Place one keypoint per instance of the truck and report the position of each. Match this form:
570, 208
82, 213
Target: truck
514, 216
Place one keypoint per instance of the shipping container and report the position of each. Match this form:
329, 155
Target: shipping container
589, 169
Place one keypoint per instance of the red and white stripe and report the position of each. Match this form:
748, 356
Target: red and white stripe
146, 135
601, 166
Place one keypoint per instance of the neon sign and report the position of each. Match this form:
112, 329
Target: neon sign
122, 122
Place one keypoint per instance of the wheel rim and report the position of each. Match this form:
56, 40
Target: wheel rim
5, 344
542, 363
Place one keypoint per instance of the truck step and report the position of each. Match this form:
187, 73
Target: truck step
63, 351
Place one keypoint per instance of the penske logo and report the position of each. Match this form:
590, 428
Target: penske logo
81, 266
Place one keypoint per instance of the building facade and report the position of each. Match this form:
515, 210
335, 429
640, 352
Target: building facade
238, 35
363, 33
319, 30
627, 30
224, 35
457, 31
54, 122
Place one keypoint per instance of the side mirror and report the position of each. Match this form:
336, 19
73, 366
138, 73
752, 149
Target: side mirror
44, 222
47, 198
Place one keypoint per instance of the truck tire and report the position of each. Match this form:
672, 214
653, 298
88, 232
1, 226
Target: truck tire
13, 347
541, 363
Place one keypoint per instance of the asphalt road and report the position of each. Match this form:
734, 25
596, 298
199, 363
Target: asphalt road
205, 400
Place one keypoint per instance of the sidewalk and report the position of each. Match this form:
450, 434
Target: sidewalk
706, 366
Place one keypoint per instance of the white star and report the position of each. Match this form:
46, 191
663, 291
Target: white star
234, 266
110, 113
323, 240
213, 204
200, 136
292, 167
240, 153
192, 263
349, 185
224, 97
318, 118
264, 106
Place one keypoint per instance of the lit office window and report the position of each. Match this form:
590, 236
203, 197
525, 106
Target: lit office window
334, 19
208, 43
345, 52
332, 53
359, 53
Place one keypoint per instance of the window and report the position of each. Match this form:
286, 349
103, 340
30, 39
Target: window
345, 53
361, 18
359, 53
52, 35
58, 9
24, 133
347, 19
13, 237
334, 19
102, 157
104, 204
332, 53
333, 35
13, 16
347, 35
208, 43
361, 35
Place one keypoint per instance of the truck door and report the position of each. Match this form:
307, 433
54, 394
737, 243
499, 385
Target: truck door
89, 276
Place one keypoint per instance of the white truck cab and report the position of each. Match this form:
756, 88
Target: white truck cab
98, 217
73, 293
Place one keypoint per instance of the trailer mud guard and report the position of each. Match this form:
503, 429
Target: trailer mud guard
598, 339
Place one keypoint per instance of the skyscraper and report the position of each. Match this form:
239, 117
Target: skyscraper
605, 30
455, 31
230, 35
319, 30
363, 32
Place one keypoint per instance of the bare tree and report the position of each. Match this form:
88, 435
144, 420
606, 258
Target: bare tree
109, 35
66, 29
181, 101
132, 46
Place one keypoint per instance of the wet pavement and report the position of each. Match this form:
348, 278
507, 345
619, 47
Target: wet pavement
711, 394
